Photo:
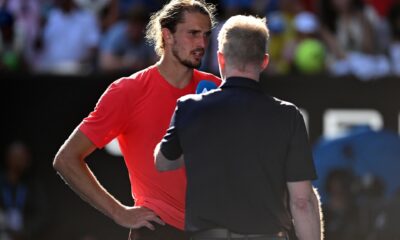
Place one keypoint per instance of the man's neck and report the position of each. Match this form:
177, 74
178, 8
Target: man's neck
174, 72
235, 73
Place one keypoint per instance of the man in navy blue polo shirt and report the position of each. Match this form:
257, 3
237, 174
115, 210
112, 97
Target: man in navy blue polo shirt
248, 161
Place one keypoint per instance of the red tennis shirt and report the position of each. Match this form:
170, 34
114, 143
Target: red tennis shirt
137, 110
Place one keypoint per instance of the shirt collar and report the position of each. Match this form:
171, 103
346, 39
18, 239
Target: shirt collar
241, 82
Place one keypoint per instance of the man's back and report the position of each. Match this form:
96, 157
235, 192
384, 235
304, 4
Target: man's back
240, 158
245, 153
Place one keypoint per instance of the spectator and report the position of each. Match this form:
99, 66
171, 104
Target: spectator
11, 43
340, 211
94, 6
305, 53
370, 199
394, 49
278, 26
124, 46
27, 20
310, 5
70, 40
125, 5
108, 15
106, 11
233, 7
349, 36
263, 7
382, 7
22, 199
387, 222
283, 32
346, 28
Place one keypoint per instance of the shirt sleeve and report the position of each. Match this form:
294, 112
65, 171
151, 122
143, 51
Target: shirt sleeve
170, 144
299, 162
109, 117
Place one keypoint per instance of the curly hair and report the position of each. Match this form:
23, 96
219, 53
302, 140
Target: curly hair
172, 14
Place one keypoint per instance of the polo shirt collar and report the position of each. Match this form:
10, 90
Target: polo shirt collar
241, 82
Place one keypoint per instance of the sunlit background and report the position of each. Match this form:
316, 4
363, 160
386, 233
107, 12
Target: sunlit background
338, 60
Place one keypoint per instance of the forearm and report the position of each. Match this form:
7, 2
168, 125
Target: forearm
332, 43
368, 39
307, 218
78, 176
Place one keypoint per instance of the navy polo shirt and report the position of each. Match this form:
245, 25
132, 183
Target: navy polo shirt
240, 147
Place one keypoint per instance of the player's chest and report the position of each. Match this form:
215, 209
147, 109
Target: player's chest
152, 113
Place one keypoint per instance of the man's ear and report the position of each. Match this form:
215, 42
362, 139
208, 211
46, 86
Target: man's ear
167, 36
265, 62
221, 60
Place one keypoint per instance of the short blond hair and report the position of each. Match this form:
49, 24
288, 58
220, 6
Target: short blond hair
243, 40
172, 14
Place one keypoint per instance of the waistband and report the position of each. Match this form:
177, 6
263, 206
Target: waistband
222, 233
169, 214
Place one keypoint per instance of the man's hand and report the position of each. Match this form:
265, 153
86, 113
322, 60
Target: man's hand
137, 217
70, 164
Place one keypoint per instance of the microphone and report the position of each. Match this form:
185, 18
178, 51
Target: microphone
205, 86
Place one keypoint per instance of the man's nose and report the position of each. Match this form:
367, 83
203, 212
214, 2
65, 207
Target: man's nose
202, 41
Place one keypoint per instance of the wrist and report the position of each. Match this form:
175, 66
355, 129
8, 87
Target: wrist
116, 211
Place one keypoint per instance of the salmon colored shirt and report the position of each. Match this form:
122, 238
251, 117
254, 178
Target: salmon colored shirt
137, 110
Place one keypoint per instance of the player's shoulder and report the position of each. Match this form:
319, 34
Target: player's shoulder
201, 75
143, 74
137, 79
130, 86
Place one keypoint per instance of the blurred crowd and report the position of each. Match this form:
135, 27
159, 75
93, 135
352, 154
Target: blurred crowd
356, 208
342, 37
23, 201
